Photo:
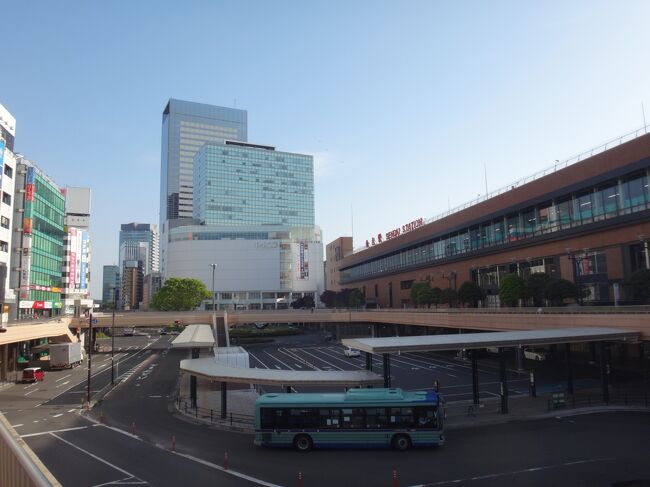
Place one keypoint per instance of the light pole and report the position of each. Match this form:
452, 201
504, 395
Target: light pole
214, 313
113, 347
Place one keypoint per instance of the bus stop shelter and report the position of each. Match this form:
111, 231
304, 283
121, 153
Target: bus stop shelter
499, 340
194, 337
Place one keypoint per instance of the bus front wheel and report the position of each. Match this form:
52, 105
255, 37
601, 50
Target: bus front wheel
401, 442
303, 443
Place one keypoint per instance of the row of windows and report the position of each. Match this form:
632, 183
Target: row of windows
349, 418
603, 202
50, 194
47, 244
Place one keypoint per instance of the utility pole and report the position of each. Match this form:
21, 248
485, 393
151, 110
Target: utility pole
90, 354
113, 347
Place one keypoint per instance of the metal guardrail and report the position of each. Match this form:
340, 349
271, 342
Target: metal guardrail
610, 144
19, 466
214, 415
563, 401
632, 309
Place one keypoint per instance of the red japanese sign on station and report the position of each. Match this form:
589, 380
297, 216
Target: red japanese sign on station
395, 232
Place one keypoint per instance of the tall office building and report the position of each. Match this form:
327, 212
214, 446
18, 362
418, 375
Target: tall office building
7, 185
186, 126
236, 183
110, 284
146, 233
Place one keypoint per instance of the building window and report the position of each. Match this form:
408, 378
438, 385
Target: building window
9, 171
4, 222
6, 198
406, 284
4, 246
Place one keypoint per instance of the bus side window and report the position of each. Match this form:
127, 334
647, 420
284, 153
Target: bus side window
426, 417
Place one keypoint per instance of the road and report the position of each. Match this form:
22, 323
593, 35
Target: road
594, 450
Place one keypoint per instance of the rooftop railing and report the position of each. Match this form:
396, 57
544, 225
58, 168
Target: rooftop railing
559, 165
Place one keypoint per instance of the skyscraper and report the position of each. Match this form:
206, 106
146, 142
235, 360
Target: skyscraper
135, 233
110, 284
186, 126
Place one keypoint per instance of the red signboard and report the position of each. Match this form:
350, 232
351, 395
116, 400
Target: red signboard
38, 305
29, 192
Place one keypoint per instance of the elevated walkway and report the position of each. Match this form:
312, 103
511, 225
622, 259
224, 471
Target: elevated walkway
58, 329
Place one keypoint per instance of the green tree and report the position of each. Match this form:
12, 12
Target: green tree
557, 290
511, 289
448, 296
428, 296
470, 293
638, 285
343, 298
328, 298
535, 287
356, 299
416, 289
180, 294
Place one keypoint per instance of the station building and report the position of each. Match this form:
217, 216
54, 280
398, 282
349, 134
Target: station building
586, 219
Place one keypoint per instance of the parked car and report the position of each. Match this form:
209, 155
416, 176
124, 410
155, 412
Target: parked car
537, 355
128, 332
351, 352
33, 374
163, 331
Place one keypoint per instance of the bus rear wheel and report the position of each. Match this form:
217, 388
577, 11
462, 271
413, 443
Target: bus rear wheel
401, 442
303, 443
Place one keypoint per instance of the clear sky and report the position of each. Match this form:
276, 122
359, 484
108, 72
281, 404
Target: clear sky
401, 103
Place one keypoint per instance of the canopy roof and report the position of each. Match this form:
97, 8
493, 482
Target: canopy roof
210, 369
194, 336
457, 341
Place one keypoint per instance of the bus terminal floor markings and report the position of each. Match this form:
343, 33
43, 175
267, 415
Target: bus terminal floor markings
257, 359
278, 360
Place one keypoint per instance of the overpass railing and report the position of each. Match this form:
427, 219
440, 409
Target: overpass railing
19, 465
516, 310
213, 416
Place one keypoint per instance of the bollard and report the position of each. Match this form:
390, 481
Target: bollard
299, 479
395, 483
133, 427
225, 461
173, 443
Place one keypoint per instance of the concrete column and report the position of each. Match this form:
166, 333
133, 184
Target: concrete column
288, 389
373, 331
386, 358
604, 372
4, 362
569, 370
475, 392
195, 354
519, 352
504, 382
224, 400
368, 361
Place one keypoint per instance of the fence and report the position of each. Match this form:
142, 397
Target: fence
184, 405
562, 401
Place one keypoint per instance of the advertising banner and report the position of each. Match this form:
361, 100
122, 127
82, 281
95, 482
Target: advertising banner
84, 260
25, 263
303, 261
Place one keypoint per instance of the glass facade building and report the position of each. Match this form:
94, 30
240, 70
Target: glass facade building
606, 201
186, 126
247, 184
146, 233
110, 284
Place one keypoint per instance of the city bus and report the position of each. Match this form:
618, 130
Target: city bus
358, 418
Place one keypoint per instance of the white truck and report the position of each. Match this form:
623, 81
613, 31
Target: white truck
65, 355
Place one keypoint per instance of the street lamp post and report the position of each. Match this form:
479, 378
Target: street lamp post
644, 241
214, 312
113, 347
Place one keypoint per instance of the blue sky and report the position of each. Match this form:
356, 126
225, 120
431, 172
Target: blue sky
401, 103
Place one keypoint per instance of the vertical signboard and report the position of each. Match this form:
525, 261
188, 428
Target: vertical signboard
25, 258
303, 260
84, 260
2, 160
73, 276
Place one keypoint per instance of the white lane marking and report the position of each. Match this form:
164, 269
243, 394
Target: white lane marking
262, 363
345, 360
278, 367
61, 385
28, 393
57, 415
64, 377
53, 431
39, 404
17, 425
322, 360
517, 472
124, 481
71, 410
36, 421
95, 456
293, 355
154, 397
275, 358
452, 375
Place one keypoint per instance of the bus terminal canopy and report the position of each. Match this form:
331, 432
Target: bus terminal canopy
499, 339
195, 336
212, 370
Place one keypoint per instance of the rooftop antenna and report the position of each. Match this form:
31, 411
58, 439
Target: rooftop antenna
645, 127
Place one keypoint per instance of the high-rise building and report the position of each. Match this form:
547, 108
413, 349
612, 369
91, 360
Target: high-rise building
7, 186
146, 233
39, 233
110, 284
135, 259
76, 267
237, 183
186, 126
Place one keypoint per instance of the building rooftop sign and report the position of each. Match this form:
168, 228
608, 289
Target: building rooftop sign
395, 232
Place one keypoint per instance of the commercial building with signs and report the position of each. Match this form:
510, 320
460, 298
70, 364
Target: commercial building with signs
586, 220
76, 267
39, 239
186, 126
7, 186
